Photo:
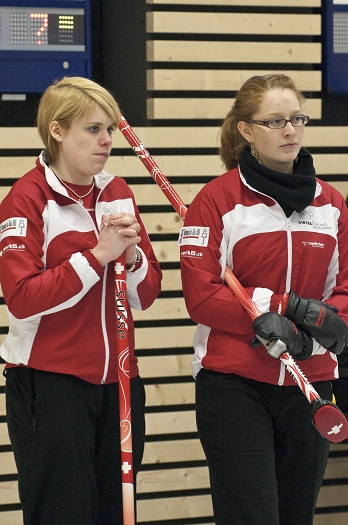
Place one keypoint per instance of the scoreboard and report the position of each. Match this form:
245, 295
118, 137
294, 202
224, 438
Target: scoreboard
335, 48
42, 41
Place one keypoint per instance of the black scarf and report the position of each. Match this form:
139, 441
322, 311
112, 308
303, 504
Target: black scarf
294, 192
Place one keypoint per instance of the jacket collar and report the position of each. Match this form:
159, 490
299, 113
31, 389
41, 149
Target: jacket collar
101, 180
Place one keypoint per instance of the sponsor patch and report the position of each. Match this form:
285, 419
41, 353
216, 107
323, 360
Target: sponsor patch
194, 236
14, 227
193, 254
12, 246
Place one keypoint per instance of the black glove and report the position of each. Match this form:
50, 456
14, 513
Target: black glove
319, 320
272, 326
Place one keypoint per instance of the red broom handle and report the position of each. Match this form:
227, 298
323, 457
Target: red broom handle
152, 168
128, 501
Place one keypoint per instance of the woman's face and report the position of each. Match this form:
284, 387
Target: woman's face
277, 148
84, 147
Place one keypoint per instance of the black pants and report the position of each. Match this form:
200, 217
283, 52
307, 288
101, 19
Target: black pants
65, 435
266, 459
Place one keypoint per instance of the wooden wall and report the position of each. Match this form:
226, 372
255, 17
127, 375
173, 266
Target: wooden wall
198, 54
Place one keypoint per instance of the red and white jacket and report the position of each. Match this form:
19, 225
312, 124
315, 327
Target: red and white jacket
60, 300
230, 223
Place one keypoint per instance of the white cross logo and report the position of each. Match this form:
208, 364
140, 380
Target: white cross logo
119, 268
126, 467
336, 429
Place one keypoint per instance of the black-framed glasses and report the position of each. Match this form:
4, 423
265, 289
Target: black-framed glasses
279, 123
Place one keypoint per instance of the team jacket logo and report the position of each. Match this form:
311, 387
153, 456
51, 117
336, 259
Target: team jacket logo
307, 218
194, 235
14, 227
313, 244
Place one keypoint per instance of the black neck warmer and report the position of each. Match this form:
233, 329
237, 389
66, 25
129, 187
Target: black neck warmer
294, 192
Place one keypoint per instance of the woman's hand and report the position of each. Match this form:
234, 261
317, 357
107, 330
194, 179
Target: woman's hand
119, 232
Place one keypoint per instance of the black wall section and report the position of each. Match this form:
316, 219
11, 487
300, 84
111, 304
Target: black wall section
97, 41
124, 56
335, 109
19, 113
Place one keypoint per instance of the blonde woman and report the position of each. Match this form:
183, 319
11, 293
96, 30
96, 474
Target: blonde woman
63, 225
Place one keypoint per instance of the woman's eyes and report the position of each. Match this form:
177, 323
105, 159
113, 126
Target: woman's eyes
96, 129
297, 120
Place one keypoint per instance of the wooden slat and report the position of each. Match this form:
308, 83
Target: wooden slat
342, 448
176, 479
221, 80
258, 3
197, 477
329, 496
23, 139
162, 137
171, 280
173, 451
337, 518
170, 394
166, 251
7, 464
8, 493
331, 163
170, 422
11, 518
2, 405
3, 316
162, 309
4, 438
237, 52
15, 167
326, 136
337, 468
239, 23
173, 165
165, 366
207, 108
174, 508
162, 222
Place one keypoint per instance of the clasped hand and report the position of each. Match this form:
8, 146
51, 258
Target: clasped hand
119, 232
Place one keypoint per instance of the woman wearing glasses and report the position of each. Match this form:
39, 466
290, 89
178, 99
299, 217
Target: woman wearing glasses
283, 233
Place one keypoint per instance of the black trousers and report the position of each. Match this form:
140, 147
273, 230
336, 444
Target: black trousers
65, 435
266, 459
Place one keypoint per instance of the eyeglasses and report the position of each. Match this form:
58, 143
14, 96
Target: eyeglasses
279, 123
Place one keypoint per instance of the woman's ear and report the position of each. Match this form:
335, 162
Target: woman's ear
244, 130
55, 130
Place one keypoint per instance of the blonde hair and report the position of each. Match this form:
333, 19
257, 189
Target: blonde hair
67, 100
247, 102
